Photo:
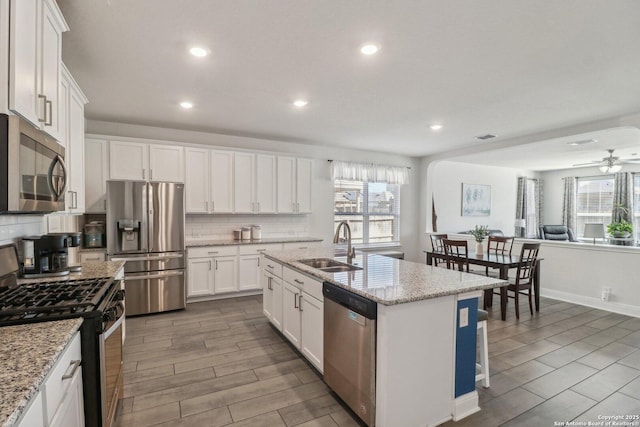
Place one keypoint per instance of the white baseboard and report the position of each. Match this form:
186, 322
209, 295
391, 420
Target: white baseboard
616, 307
224, 296
465, 405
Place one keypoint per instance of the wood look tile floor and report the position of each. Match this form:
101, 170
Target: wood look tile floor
219, 363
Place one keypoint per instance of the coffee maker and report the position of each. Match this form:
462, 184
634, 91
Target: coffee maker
46, 255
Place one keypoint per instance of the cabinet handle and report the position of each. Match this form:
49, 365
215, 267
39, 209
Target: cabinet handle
260, 250
206, 206
258, 262
75, 200
269, 283
300, 302
270, 266
44, 108
50, 104
150, 174
303, 247
209, 265
299, 282
105, 204
295, 301
216, 264
213, 252
144, 174
75, 364
97, 258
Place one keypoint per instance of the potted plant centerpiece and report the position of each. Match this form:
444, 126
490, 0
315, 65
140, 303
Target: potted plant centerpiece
479, 233
620, 227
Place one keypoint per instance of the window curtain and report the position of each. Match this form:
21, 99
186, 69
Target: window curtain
569, 202
529, 206
369, 172
622, 197
521, 205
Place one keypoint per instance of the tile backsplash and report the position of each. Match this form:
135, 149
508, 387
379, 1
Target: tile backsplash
216, 227
13, 227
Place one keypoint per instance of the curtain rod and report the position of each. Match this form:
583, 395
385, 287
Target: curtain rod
408, 167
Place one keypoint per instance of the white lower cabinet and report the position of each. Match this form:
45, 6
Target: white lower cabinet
272, 299
302, 306
225, 278
59, 401
249, 272
200, 277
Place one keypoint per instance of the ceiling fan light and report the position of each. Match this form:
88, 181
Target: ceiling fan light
604, 169
615, 168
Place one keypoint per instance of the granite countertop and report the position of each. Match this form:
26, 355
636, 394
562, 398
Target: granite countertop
28, 352
228, 242
387, 280
90, 270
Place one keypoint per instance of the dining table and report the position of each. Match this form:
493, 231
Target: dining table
503, 263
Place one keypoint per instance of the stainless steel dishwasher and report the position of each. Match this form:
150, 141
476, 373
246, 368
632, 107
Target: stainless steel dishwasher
350, 349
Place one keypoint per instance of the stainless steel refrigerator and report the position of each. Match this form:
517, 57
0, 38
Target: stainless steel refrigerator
145, 228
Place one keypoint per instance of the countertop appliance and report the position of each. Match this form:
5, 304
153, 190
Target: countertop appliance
145, 228
350, 349
47, 255
33, 175
100, 302
94, 234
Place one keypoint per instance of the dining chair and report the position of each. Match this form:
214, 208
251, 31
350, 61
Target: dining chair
523, 281
456, 252
437, 246
499, 245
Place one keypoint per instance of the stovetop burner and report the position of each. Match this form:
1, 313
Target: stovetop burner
52, 299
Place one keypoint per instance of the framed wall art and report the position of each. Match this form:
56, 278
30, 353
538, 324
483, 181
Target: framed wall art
476, 200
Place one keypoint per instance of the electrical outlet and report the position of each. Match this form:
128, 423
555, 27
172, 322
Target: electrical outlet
606, 292
464, 317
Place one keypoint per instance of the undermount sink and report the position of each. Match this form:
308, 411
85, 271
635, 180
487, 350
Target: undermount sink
329, 265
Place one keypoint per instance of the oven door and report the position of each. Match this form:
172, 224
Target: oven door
111, 374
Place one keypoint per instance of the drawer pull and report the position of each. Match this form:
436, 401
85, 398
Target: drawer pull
299, 282
270, 266
260, 250
74, 365
213, 252
295, 301
94, 258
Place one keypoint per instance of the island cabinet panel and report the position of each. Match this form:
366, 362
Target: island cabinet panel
272, 299
34, 415
312, 330
291, 315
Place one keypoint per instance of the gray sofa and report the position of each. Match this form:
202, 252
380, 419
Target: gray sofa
557, 233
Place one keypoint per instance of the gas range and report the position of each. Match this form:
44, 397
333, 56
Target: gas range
51, 300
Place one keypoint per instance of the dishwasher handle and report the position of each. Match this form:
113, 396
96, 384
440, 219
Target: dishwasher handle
351, 301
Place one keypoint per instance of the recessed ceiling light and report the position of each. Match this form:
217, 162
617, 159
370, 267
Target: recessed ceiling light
435, 127
186, 105
369, 49
300, 103
198, 51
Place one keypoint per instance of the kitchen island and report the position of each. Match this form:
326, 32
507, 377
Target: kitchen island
426, 330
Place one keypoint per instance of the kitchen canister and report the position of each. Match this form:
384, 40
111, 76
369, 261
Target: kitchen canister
246, 233
256, 232
237, 234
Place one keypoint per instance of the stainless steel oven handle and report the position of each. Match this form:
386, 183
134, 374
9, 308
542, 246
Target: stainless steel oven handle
74, 364
153, 276
115, 326
149, 258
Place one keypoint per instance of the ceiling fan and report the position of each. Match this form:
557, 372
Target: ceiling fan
610, 164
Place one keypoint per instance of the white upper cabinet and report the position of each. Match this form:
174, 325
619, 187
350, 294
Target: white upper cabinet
72, 126
221, 181
294, 185
146, 162
96, 175
209, 180
254, 183
35, 55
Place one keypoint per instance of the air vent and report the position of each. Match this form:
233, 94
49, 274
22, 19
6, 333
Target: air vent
582, 142
487, 136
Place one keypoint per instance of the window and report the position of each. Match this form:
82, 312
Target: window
372, 210
594, 201
531, 209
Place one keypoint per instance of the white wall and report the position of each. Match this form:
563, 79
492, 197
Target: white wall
554, 188
320, 222
446, 187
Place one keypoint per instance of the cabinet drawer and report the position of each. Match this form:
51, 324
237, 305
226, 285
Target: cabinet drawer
304, 282
212, 251
93, 256
59, 380
300, 245
253, 249
272, 267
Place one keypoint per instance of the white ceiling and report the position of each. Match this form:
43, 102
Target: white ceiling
511, 68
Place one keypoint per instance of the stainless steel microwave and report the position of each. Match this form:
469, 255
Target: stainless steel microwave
33, 176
